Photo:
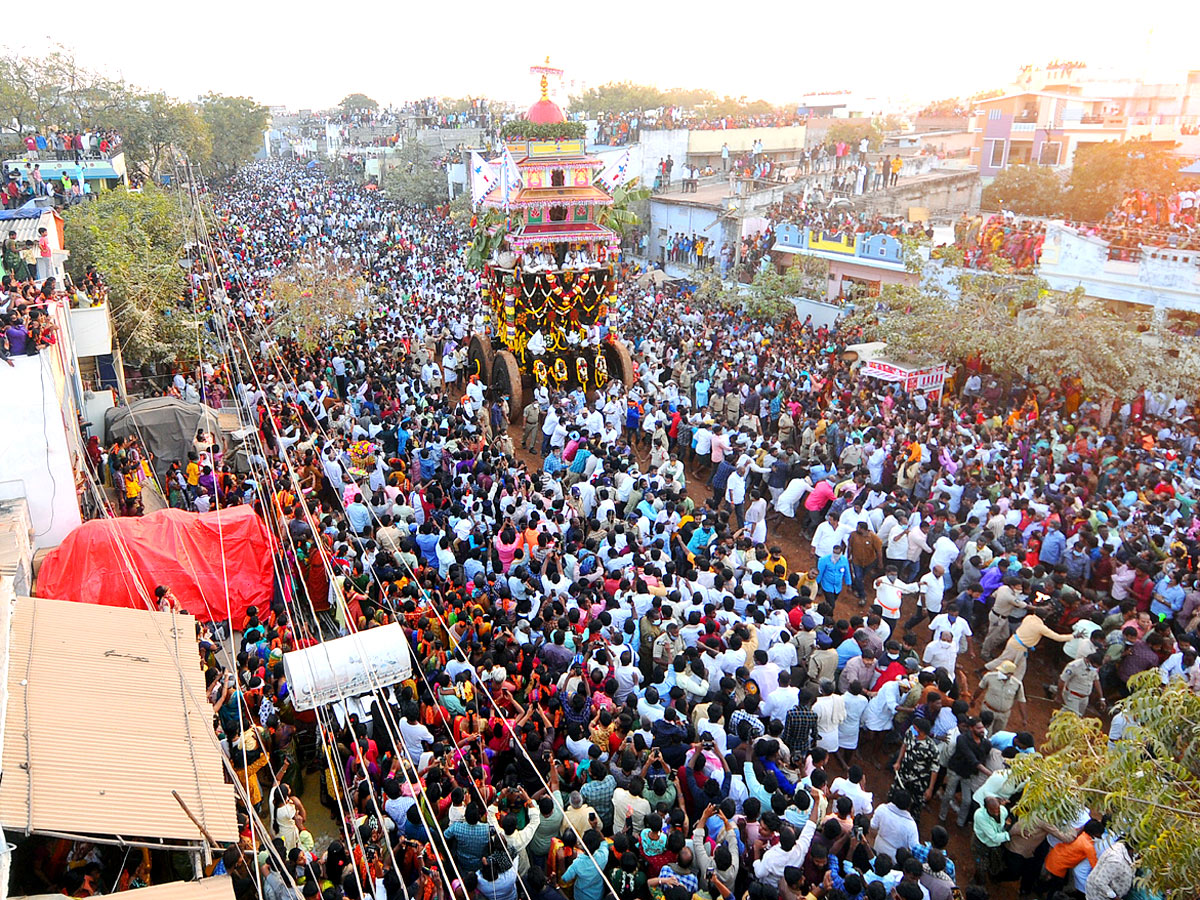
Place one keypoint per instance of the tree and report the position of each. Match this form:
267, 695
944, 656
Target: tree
1104, 172
1148, 783
950, 106
53, 90
313, 305
626, 211
617, 97
807, 276
851, 132
135, 240
353, 103
155, 130
1020, 328
1026, 190
689, 98
236, 126
414, 179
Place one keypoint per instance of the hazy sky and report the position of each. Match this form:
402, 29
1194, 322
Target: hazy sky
307, 54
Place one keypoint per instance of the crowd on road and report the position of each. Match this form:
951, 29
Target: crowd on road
705, 635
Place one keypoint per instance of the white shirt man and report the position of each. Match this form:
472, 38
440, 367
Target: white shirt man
958, 626
825, 538
933, 589
864, 801
781, 702
888, 594
894, 828
735, 488
945, 551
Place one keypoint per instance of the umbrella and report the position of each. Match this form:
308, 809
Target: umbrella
654, 276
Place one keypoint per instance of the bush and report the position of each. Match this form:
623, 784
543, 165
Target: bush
523, 129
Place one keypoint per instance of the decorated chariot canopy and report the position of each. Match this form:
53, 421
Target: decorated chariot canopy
550, 279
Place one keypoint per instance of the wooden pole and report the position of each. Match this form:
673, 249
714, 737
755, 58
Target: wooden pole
195, 821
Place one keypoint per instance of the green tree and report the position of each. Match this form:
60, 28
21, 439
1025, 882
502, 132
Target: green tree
1019, 327
136, 239
236, 126
156, 131
352, 103
629, 205
414, 179
689, 98
1026, 190
1148, 783
807, 276
617, 97
851, 132
1104, 172
950, 106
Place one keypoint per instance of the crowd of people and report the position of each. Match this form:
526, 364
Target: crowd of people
1017, 242
618, 129
1146, 219
708, 634
71, 144
26, 292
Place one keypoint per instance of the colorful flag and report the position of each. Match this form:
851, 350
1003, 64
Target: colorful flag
483, 177
510, 177
616, 171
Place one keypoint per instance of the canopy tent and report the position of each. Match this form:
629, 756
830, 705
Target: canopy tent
166, 426
216, 563
348, 666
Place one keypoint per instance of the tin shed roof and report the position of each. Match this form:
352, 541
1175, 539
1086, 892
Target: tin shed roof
107, 715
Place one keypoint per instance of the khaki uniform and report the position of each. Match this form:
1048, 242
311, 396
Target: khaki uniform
733, 408
532, 415
1005, 603
1078, 682
999, 695
716, 406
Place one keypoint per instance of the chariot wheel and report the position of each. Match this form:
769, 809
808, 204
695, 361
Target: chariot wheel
506, 379
619, 361
480, 357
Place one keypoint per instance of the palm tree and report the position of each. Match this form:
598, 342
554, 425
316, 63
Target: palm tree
622, 217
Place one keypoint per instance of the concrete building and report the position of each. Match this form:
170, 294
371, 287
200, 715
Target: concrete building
865, 261
1053, 112
1164, 279
54, 401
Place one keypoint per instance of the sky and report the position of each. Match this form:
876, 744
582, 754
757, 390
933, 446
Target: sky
303, 54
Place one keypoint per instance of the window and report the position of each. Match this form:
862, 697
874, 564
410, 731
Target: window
557, 178
996, 160
1050, 153
993, 115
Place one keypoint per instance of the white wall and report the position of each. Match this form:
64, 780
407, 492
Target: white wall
34, 458
675, 217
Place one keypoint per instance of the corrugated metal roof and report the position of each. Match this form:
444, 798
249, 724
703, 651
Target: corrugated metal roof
102, 725
218, 888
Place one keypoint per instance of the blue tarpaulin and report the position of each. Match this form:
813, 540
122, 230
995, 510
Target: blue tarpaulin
29, 211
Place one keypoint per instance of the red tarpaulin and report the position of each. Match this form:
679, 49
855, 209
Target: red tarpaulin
104, 560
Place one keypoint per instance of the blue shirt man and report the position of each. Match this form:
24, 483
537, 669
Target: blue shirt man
833, 572
1168, 597
554, 462
1054, 546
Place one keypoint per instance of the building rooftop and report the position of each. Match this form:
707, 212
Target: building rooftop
107, 716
